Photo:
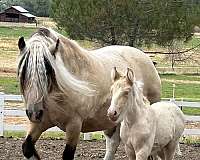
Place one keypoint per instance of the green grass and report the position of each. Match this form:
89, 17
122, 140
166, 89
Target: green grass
191, 91
190, 139
53, 134
9, 85
49, 135
22, 134
191, 111
96, 136
16, 134
16, 32
188, 77
193, 42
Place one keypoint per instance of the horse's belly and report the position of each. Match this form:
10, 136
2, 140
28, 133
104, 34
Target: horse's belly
96, 124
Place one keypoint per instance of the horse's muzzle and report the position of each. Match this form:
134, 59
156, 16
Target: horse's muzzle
35, 116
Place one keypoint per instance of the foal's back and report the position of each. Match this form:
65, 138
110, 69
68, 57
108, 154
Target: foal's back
170, 122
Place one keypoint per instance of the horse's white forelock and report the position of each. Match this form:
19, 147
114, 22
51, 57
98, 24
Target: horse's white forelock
35, 76
36, 71
66, 81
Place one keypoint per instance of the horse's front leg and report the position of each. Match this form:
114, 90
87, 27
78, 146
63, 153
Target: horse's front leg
73, 130
112, 142
28, 146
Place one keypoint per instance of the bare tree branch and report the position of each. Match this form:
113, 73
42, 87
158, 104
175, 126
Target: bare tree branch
180, 52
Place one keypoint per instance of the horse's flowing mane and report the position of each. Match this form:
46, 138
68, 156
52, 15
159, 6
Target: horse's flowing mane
36, 61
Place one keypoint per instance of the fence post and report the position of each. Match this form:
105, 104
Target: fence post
1, 112
173, 91
87, 136
182, 103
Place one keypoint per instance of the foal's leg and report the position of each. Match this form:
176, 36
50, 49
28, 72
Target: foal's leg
178, 150
28, 146
170, 150
73, 130
112, 142
130, 152
161, 154
142, 154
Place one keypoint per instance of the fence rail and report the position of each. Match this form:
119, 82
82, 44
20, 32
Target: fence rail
21, 113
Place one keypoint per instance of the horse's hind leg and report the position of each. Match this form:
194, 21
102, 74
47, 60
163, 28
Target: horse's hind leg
112, 142
28, 146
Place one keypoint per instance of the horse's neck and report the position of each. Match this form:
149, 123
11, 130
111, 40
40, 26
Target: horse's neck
76, 59
136, 109
80, 64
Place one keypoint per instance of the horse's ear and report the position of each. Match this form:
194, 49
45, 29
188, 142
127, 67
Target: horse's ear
114, 74
21, 44
54, 48
130, 76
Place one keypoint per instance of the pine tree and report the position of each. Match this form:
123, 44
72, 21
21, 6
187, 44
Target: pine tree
127, 22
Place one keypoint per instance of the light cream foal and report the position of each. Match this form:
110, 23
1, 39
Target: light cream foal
145, 130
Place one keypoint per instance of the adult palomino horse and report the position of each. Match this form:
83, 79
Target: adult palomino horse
146, 130
67, 86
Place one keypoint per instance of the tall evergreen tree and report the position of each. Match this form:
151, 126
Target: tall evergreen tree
129, 22
37, 7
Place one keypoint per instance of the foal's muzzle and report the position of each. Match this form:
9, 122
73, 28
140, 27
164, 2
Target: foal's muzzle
112, 114
35, 116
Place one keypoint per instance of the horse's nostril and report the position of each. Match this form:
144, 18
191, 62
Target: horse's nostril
26, 112
39, 114
115, 113
29, 114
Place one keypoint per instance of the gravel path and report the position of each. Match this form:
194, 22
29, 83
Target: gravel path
10, 149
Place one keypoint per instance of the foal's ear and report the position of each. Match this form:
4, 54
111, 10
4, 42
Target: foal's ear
21, 44
114, 74
54, 48
130, 76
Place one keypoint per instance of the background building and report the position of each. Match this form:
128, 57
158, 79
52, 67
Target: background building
17, 14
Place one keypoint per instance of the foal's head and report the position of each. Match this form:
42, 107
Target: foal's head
121, 90
36, 74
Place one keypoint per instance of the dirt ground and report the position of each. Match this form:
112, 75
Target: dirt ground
10, 149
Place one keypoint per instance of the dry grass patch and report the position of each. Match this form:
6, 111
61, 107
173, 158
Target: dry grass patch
8, 53
8, 44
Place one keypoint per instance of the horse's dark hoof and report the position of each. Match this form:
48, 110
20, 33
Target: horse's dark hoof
29, 150
28, 147
69, 152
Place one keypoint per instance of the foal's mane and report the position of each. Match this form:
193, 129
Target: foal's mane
37, 65
138, 89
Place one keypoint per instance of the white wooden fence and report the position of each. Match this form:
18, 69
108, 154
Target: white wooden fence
21, 113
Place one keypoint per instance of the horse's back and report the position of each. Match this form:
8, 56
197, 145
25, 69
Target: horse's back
168, 108
170, 122
121, 52
125, 56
